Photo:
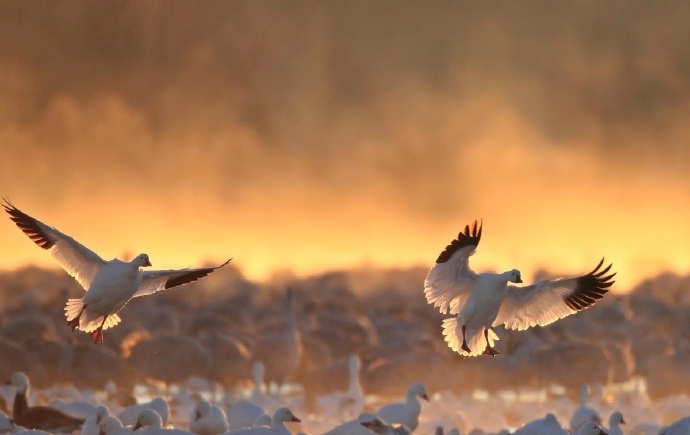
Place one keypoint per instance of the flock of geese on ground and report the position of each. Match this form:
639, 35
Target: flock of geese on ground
250, 416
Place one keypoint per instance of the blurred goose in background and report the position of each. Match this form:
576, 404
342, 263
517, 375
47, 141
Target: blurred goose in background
152, 424
680, 427
615, 420
110, 425
353, 400
129, 415
6, 424
109, 285
91, 425
38, 417
406, 413
78, 409
584, 413
378, 427
482, 301
243, 414
590, 428
548, 425
277, 424
281, 351
354, 427
207, 419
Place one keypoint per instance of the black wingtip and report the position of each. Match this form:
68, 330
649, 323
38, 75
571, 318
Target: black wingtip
192, 275
590, 288
470, 237
28, 225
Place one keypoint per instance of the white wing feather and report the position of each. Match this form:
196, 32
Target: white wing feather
153, 281
76, 259
450, 282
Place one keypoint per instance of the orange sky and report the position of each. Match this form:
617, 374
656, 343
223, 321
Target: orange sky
318, 136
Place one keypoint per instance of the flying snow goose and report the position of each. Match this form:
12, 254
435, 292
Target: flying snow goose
482, 301
109, 285
38, 417
207, 419
406, 413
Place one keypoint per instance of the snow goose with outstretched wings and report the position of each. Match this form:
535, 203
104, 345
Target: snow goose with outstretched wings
484, 300
109, 285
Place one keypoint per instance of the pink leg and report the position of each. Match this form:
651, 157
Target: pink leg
464, 342
489, 350
74, 323
98, 333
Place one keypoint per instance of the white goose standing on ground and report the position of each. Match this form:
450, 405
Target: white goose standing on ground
406, 413
584, 413
109, 285
482, 301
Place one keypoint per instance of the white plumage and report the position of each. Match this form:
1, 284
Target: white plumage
584, 413
406, 413
278, 420
129, 415
482, 301
615, 420
590, 428
109, 285
207, 419
548, 425
110, 425
152, 424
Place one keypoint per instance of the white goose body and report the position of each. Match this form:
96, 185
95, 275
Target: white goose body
483, 301
406, 413
109, 285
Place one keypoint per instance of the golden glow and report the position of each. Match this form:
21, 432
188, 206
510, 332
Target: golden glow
306, 139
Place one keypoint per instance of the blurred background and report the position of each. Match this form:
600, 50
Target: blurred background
309, 136
335, 148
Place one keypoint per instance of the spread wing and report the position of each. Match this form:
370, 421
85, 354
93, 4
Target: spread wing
546, 301
450, 281
157, 280
77, 260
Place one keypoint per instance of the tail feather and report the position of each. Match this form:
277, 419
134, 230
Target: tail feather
452, 331
92, 325
74, 306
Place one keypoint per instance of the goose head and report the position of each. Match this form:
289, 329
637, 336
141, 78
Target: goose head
148, 417
142, 260
418, 390
19, 381
284, 414
514, 276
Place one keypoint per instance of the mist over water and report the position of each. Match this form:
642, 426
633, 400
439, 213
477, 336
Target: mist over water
310, 136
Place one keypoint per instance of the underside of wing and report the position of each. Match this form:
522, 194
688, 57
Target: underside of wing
157, 280
75, 258
450, 281
547, 301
